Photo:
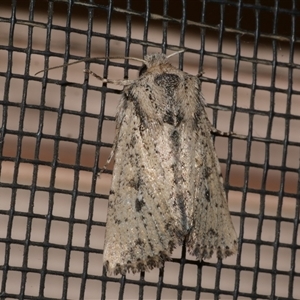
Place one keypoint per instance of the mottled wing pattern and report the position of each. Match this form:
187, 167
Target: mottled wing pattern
140, 233
166, 185
200, 181
213, 230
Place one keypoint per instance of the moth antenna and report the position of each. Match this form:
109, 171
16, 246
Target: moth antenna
91, 59
175, 53
69, 64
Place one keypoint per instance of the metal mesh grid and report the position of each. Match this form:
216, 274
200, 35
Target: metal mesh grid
57, 130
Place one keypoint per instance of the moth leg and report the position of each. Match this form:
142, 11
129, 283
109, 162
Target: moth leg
95, 75
122, 82
218, 132
111, 155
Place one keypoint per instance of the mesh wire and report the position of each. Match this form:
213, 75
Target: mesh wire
56, 132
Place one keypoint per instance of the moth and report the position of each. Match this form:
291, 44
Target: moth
167, 186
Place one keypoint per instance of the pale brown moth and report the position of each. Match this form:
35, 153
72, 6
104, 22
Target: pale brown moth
167, 186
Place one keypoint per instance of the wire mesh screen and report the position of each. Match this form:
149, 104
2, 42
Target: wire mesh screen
57, 130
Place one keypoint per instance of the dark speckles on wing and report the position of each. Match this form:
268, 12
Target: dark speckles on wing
212, 233
175, 139
207, 195
173, 117
134, 183
139, 205
139, 242
168, 117
179, 117
132, 141
138, 111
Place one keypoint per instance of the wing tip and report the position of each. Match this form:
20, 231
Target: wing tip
146, 265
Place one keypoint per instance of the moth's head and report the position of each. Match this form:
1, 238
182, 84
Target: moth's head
152, 60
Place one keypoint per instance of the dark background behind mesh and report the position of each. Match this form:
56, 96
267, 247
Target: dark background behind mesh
251, 173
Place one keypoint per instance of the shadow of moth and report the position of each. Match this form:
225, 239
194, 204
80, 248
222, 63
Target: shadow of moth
167, 186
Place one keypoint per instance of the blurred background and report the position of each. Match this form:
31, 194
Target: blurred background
57, 128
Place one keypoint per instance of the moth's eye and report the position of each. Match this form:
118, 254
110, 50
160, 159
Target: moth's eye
143, 70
